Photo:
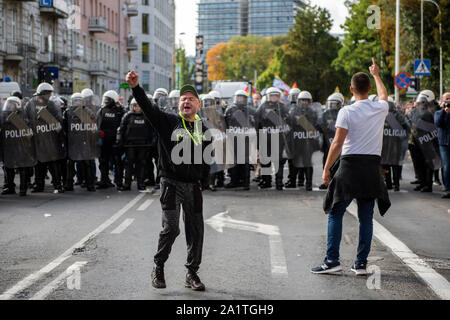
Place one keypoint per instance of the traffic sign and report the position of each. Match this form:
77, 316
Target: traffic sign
402, 80
422, 67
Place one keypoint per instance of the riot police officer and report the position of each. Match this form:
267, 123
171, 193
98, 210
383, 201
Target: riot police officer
160, 97
270, 119
240, 123
135, 135
334, 103
17, 145
46, 121
108, 121
174, 98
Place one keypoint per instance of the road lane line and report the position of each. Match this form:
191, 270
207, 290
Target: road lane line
52, 286
122, 226
434, 280
277, 257
32, 278
145, 205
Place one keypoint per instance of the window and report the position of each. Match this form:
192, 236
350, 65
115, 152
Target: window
14, 24
145, 23
145, 52
145, 2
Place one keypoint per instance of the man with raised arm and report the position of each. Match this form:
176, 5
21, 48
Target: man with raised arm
180, 182
358, 143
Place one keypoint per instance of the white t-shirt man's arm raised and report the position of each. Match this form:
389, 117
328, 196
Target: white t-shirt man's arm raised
364, 121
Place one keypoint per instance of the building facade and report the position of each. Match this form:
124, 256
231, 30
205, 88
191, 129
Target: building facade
153, 30
79, 43
34, 37
221, 20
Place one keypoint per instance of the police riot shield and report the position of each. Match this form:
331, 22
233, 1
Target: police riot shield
45, 120
217, 127
304, 138
17, 139
83, 134
93, 102
395, 139
425, 136
242, 142
328, 127
272, 119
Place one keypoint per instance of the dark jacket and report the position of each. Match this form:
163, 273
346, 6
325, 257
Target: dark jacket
442, 121
357, 177
165, 124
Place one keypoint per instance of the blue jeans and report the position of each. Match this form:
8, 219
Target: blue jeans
445, 156
365, 216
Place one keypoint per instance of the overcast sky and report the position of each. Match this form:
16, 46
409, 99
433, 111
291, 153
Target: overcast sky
186, 19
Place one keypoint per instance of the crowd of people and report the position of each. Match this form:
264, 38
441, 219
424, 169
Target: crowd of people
48, 133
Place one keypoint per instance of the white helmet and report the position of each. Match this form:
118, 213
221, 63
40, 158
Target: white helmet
174, 94
341, 96
133, 102
44, 86
76, 100
149, 96
373, 97
200, 97
294, 91
390, 99
112, 95
428, 94
273, 90
161, 92
304, 95
12, 104
353, 99
87, 93
336, 97
240, 97
207, 101
264, 99
215, 94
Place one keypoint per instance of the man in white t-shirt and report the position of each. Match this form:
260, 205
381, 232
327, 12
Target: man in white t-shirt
358, 143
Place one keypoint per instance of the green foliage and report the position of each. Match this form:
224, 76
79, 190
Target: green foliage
187, 69
277, 66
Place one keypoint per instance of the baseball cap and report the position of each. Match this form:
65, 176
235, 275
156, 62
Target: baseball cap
188, 88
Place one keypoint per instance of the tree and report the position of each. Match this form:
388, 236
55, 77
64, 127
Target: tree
240, 57
187, 69
276, 67
215, 60
309, 51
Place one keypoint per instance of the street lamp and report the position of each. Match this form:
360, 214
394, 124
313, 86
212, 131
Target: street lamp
440, 42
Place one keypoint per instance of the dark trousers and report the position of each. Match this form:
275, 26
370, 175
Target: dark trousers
392, 176
41, 169
424, 172
413, 151
445, 156
135, 158
279, 173
240, 174
110, 155
84, 168
10, 174
176, 195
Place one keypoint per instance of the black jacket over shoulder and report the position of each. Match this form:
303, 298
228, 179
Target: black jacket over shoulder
165, 124
358, 177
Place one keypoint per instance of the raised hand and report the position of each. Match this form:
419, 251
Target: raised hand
132, 79
374, 69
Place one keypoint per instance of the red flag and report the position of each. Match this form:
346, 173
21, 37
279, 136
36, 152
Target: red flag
295, 85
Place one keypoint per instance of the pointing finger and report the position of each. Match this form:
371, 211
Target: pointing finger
373, 61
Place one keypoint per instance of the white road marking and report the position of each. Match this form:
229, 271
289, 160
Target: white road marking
122, 226
145, 205
277, 257
46, 215
434, 280
52, 286
448, 211
32, 278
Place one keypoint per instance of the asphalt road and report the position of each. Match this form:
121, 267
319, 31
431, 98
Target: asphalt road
258, 245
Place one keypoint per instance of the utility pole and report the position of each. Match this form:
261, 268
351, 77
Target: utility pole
120, 38
397, 49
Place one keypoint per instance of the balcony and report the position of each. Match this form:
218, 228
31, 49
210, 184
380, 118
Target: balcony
97, 25
131, 43
97, 68
132, 9
56, 9
15, 51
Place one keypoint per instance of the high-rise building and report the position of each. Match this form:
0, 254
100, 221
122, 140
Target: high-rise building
153, 32
221, 20
269, 18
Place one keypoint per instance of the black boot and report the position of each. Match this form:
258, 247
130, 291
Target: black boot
158, 280
309, 177
194, 282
